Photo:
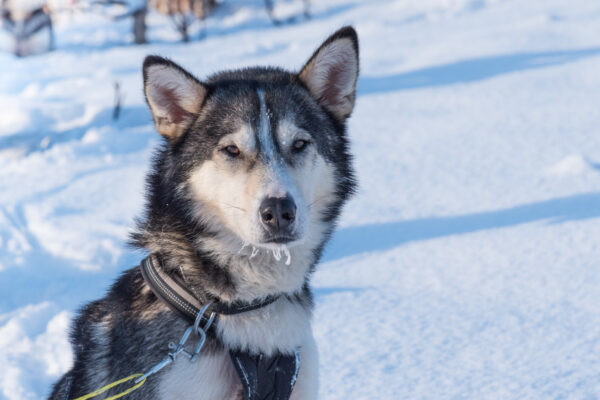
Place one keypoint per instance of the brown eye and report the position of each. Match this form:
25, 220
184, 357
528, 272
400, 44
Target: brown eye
232, 150
300, 145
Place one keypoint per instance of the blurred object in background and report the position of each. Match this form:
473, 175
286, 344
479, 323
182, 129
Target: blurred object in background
184, 13
26, 27
278, 20
118, 100
139, 24
121, 9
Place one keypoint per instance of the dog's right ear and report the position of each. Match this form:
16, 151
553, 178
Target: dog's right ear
173, 95
331, 73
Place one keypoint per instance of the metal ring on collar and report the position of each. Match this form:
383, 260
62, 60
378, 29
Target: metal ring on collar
199, 317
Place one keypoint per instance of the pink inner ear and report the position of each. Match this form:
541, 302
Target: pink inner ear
168, 100
336, 80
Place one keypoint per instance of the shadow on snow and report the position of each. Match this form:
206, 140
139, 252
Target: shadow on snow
377, 237
471, 70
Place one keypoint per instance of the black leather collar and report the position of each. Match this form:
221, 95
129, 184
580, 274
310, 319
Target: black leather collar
183, 301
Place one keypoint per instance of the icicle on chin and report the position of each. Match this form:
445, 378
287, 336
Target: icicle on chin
282, 249
244, 245
287, 253
254, 252
278, 252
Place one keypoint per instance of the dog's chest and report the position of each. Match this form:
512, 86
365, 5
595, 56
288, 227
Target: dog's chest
282, 326
211, 377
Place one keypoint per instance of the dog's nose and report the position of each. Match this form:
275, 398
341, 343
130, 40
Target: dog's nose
277, 214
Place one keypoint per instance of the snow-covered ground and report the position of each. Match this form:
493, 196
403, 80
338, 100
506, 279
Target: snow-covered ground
467, 267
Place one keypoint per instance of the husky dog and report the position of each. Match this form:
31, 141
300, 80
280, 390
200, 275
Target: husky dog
242, 197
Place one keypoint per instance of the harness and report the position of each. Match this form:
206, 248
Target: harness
262, 377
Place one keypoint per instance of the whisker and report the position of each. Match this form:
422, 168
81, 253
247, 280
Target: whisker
232, 206
317, 200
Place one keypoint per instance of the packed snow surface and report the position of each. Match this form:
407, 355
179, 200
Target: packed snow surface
468, 265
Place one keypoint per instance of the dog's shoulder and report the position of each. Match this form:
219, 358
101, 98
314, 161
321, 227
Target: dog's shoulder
128, 304
125, 331
117, 299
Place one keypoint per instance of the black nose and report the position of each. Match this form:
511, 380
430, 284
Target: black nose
277, 214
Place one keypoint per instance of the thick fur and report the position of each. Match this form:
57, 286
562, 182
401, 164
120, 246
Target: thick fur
202, 219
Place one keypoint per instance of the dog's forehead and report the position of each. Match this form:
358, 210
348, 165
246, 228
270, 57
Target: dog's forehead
260, 120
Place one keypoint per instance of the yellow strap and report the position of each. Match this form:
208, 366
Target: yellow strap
111, 385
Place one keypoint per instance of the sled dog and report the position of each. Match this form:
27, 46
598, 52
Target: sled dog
242, 196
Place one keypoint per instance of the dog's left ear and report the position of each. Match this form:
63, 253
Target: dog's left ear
173, 94
331, 73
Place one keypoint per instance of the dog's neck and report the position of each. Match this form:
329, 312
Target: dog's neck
223, 267
234, 274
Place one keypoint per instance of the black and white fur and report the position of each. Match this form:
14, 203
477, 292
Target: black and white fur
231, 142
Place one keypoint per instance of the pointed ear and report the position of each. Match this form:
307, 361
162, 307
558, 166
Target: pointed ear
173, 95
331, 73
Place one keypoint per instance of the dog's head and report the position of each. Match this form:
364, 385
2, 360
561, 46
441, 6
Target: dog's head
260, 151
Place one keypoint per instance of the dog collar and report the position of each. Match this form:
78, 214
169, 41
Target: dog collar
262, 377
181, 300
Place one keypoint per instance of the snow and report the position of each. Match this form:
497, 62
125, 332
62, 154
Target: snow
467, 265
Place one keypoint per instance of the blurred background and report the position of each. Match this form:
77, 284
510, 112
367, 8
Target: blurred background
466, 267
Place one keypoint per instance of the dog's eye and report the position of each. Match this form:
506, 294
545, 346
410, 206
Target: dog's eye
299, 145
232, 150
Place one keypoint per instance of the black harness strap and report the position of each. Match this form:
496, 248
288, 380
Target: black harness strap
263, 378
266, 378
